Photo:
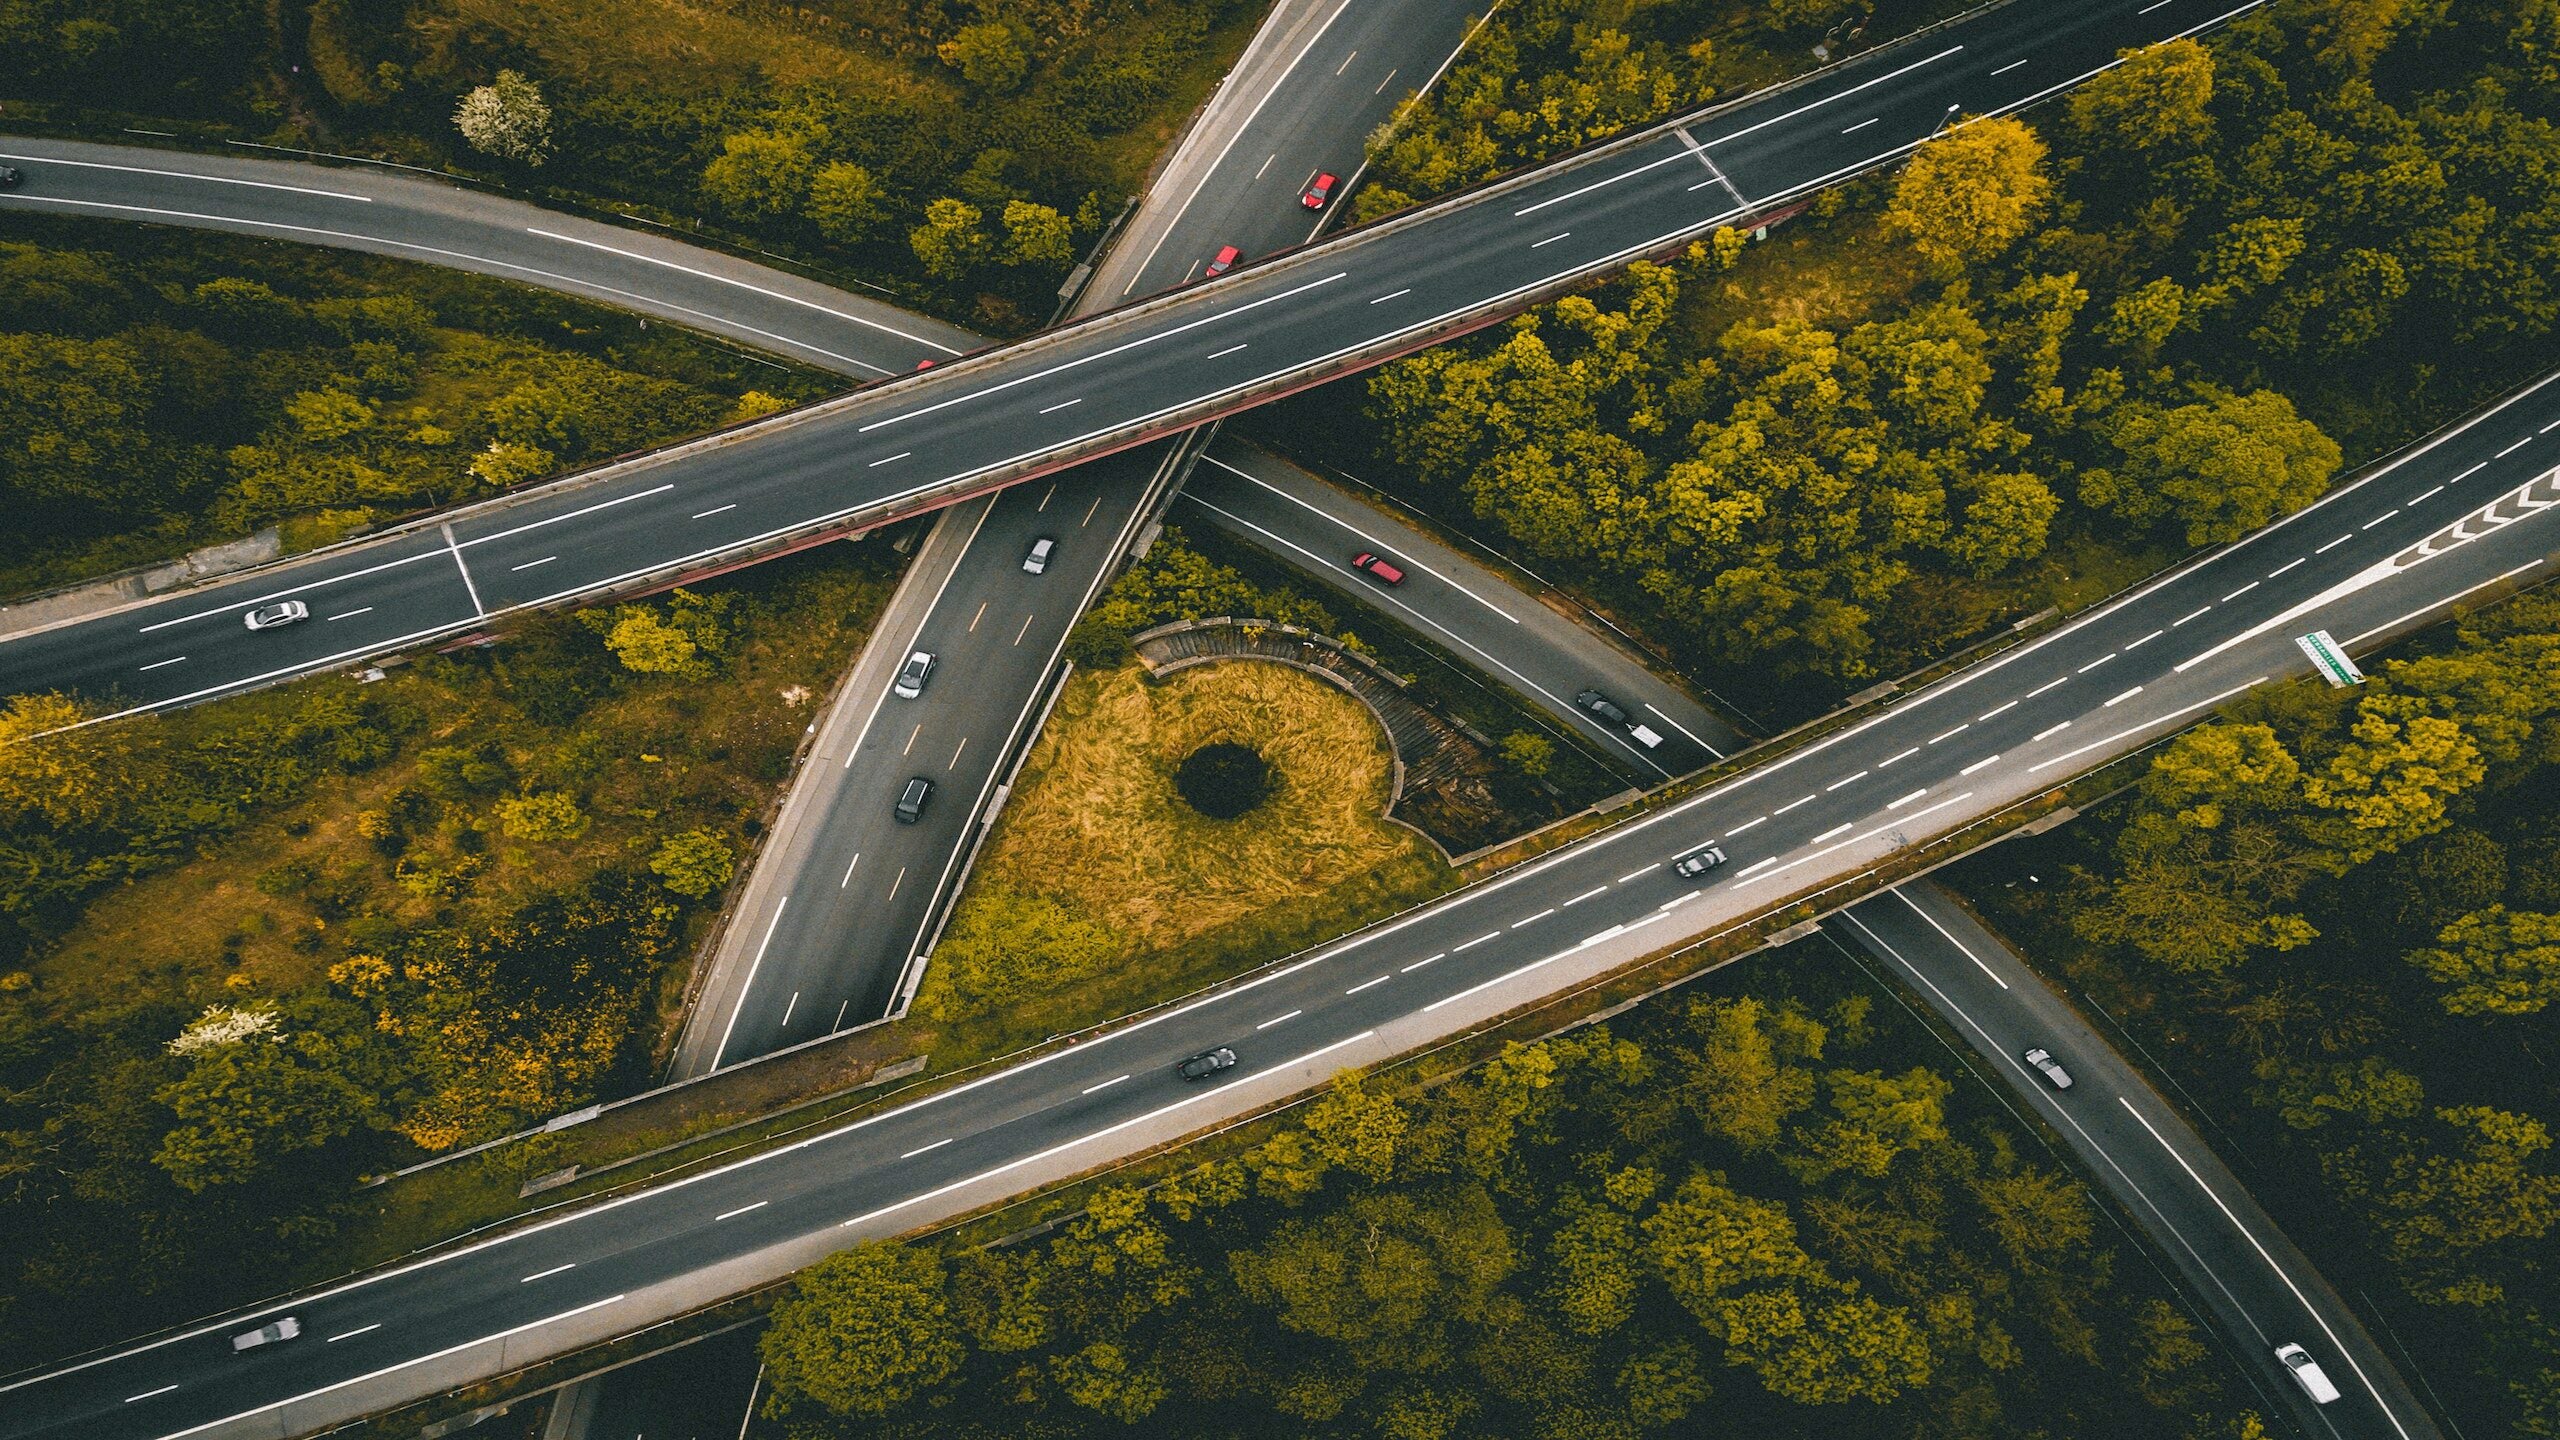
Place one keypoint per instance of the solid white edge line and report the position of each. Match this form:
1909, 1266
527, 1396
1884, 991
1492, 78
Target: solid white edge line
1064, 1146
189, 175
410, 1363
743, 285
1961, 947
2246, 1233
569, 283
2205, 704
749, 984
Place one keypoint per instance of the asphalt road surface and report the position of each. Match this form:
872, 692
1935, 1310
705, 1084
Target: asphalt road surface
2441, 521
2257, 1286
843, 897
1144, 370
1456, 602
2260, 1289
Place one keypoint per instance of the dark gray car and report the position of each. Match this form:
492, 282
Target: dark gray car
1206, 1064
911, 800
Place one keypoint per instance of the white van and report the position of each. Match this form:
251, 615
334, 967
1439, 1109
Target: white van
2306, 1373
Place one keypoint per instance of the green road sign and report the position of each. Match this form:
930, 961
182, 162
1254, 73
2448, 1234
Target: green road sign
2330, 660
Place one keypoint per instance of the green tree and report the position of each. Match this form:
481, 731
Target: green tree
1037, 237
993, 55
544, 815
761, 174
863, 1331
694, 864
647, 645
2224, 465
504, 464
2496, 962
245, 1105
846, 203
74, 432
1747, 1077
1356, 1130
2156, 98
1100, 1378
324, 416
949, 242
507, 118
66, 776
1662, 1384
1874, 1119
2391, 782
1972, 192
1388, 1268
1531, 754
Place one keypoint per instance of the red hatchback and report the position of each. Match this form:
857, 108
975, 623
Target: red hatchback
1226, 261
1378, 567
1318, 193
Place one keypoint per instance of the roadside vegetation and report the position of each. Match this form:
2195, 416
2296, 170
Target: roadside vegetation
177, 388
2336, 914
1106, 885
964, 152
252, 950
2040, 360
1762, 1210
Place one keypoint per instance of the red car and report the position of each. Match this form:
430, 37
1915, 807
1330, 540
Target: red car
1378, 567
1318, 193
1226, 261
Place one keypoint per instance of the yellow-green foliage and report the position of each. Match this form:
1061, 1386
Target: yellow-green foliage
1097, 861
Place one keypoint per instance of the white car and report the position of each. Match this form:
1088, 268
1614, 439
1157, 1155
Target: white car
2043, 1060
913, 674
2306, 1373
267, 1334
283, 612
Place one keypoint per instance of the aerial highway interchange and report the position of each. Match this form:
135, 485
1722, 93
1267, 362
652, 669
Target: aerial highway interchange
2434, 525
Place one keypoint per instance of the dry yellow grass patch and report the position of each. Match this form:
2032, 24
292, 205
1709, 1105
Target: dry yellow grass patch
661, 45
1097, 823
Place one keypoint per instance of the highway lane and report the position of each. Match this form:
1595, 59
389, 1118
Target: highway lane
443, 222
1456, 602
1993, 734
2233, 1258
844, 891
1320, 77
1143, 370
843, 897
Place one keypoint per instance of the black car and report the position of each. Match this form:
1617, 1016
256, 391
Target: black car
1602, 706
911, 800
1206, 1064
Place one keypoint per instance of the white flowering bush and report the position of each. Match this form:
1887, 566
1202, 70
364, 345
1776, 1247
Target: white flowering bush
222, 1025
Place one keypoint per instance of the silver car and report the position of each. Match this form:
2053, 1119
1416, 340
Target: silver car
283, 612
1698, 862
913, 674
2043, 1060
267, 1334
